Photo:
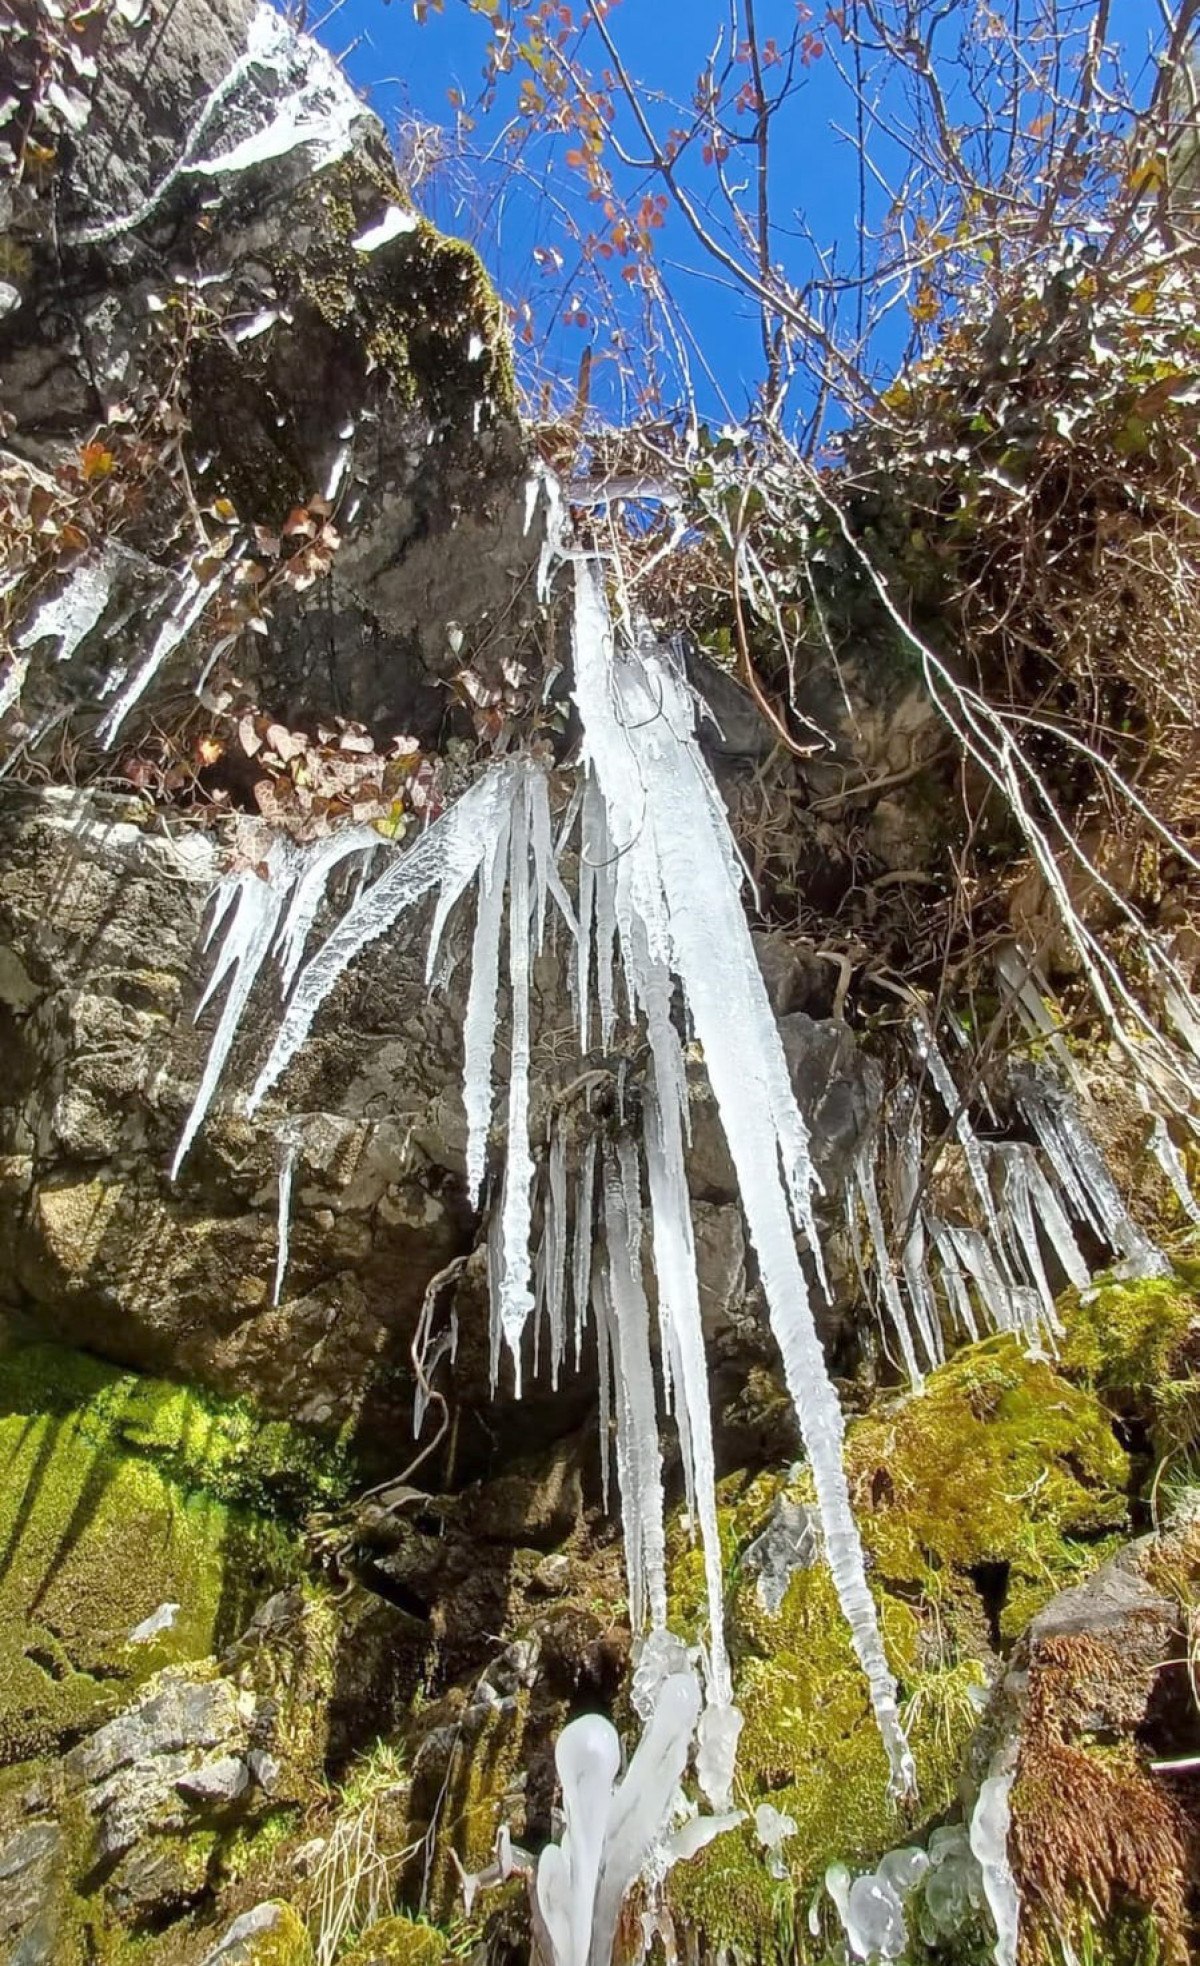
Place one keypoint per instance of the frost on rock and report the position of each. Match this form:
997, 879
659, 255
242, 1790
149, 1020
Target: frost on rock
284, 93
72, 613
393, 225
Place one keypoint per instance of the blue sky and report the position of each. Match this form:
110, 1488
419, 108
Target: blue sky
406, 70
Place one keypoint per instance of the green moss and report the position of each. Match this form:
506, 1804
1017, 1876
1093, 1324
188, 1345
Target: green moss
1129, 1342
978, 1499
399, 1942
413, 306
221, 1446
286, 1944
96, 1535
1000, 1468
251, 1848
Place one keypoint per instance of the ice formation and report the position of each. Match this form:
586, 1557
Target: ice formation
658, 941
678, 907
872, 1907
989, 1846
286, 88
614, 1833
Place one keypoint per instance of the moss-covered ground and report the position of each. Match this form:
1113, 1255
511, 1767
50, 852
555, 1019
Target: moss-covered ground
122, 1498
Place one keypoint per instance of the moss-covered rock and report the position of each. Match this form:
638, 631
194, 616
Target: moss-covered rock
221, 1446
270, 1934
123, 1548
978, 1499
399, 1942
1137, 1345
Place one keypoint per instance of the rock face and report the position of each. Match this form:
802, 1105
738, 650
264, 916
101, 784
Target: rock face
225, 249
271, 1676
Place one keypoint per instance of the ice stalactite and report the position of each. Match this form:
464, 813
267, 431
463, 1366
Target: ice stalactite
678, 877
290, 1143
638, 1451
516, 1295
864, 1182
248, 906
1081, 1171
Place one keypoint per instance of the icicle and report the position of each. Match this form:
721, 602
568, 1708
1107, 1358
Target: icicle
996, 1296
926, 1045
251, 905
495, 1334
581, 1266
190, 605
1019, 976
1062, 1239
479, 1024
955, 1282
602, 1319
1082, 1173
1012, 1159
639, 1458
864, 1180
310, 892
447, 856
516, 1298
548, 881
1167, 1154
906, 1215
587, 912
597, 858
289, 1150
677, 872
556, 1253
679, 1310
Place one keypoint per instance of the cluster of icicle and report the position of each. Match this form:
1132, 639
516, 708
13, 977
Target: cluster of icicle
658, 914
656, 926
1029, 1196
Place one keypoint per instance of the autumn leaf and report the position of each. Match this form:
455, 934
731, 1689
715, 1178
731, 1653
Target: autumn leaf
97, 462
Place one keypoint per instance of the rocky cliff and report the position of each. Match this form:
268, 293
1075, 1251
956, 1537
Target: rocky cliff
271, 1680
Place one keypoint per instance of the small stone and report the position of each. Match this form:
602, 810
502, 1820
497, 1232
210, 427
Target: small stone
221, 1780
790, 1542
268, 1931
263, 1767
552, 1576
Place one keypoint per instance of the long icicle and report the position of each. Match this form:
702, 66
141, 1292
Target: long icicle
677, 871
